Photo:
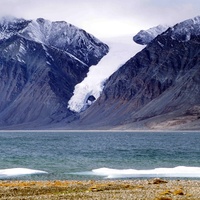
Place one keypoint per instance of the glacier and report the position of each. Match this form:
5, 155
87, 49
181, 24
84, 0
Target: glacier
121, 49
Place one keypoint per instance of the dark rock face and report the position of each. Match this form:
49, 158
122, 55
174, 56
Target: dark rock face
37, 76
160, 83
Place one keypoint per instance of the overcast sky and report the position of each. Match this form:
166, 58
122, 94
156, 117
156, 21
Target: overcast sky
105, 17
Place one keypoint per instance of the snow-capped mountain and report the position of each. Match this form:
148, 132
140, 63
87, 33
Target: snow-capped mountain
144, 37
61, 35
156, 89
181, 31
40, 64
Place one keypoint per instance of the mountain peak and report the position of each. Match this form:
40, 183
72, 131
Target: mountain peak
10, 19
184, 30
144, 37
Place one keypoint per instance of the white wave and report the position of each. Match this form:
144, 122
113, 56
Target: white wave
15, 172
176, 172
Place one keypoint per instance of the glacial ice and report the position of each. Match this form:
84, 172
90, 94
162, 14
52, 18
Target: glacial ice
121, 49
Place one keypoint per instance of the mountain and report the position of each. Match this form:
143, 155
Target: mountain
156, 89
40, 64
144, 37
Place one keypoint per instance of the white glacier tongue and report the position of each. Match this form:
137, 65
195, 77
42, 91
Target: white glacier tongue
121, 49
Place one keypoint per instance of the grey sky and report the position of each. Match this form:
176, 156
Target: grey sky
105, 17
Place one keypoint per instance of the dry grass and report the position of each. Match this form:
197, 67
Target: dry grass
74, 190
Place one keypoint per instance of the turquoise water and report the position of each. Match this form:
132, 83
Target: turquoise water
73, 155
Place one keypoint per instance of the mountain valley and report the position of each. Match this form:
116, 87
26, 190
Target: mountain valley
157, 89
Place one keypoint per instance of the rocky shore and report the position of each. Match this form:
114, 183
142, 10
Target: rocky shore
153, 189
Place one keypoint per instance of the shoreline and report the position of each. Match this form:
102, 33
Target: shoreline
96, 131
147, 189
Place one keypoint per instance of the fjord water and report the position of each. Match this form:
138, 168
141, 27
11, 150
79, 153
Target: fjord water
96, 155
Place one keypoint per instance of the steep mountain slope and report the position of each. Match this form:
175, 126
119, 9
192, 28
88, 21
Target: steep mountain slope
40, 63
158, 88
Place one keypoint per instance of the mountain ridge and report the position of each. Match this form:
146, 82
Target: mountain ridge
59, 34
144, 37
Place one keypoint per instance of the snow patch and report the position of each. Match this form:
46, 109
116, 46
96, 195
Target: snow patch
155, 31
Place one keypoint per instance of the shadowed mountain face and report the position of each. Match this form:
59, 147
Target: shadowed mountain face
158, 88
40, 63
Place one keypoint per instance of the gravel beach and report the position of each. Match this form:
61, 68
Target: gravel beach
153, 189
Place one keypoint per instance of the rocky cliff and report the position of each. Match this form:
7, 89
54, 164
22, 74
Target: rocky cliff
158, 88
40, 63
144, 37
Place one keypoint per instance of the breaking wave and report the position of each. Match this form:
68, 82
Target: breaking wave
16, 172
176, 172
